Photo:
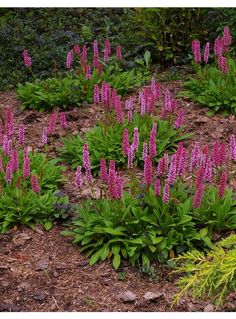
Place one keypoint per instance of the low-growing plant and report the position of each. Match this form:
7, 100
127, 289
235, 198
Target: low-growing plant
162, 215
214, 84
212, 275
29, 183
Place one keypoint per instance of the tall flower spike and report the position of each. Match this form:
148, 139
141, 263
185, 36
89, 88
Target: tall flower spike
86, 162
9, 175
84, 54
52, 123
172, 171
167, 101
21, 134
69, 59
166, 193
119, 187
197, 200
152, 141
195, 156
111, 179
27, 59
180, 119
222, 184
87, 72
35, 184
26, 166
103, 170
63, 121
206, 52
76, 49
136, 139
145, 151
196, 51
125, 142
78, 177
232, 148
45, 136
208, 174
96, 94
148, 171
157, 187
130, 156
119, 53
15, 160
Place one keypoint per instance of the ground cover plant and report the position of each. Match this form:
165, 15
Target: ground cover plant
162, 215
214, 83
123, 123
212, 275
77, 86
29, 181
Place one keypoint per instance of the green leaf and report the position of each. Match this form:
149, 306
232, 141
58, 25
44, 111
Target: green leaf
48, 225
116, 261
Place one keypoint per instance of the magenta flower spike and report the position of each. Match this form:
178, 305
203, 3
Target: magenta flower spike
125, 142
172, 170
45, 136
157, 187
27, 59
15, 160
180, 119
167, 101
152, 141
227, 38
232, 148
208, 174
83, 57
196, 51
111, 179
130, 156
197, 200
9, 126
199, 178
119, 53
86, 163
206, 52
69, 59
130, 116
9, 172
195, 156
96, 94
104, 97
148, 171
26, 166
222, 184
103, 170
143, 106
87, 72
52, 123
145, 151
166, 193
77, 49
63, 121
78, 177
35, 184
119, 187
136, 139
223, 64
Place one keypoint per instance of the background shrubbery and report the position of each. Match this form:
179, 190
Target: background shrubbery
48, 34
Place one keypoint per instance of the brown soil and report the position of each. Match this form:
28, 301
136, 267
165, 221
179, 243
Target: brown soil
42, 271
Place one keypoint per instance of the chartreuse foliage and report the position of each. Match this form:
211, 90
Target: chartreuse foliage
212, 275
141, 228
105, 141
19, 204
74, 89
212, 88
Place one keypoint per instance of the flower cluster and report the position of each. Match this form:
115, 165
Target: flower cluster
27, 59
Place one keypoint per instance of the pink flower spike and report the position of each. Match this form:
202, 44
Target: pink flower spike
96, 94
52, 123
27, 59
167, 101
87, 72
125, 142
196, 51
172, 171
69, 59
206, 52
84, 54
232, 148
78, 177
119, 53
157, 187
130, 116
119, 187
197, 200
143, 106
208, 174
44, 136
76, 49
180, 119
21, 134
222, 184
26, 166
111, 179
195, 156
86, 163
148, 170
166, 193
15, 160
103, 170
145, 151
130, 156
136, 139
63, 121
9, 171
35, 184
152, 141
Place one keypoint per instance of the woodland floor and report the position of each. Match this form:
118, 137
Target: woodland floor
42, 271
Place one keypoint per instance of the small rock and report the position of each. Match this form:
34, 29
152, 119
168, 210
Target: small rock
209, 308
151, 296
127, 296
82, 263
40, 295
4, 284
9, 307
42, 264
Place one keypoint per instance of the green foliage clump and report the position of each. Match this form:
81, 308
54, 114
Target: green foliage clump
105, 141
141, 228
212, 88
19, 204
212, 275
73, 89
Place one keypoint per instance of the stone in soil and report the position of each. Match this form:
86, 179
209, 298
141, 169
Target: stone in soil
152, 296
127, 296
